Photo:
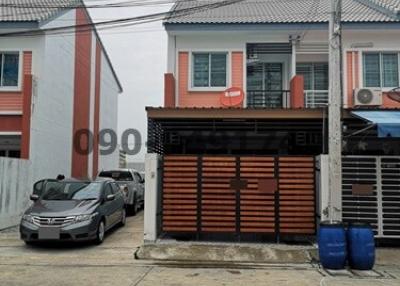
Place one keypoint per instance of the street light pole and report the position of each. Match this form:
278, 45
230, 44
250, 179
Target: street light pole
335, 109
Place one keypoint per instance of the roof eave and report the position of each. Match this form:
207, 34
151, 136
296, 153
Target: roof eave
177, 27
19, 24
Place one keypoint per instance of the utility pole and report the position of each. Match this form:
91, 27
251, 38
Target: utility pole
335, 109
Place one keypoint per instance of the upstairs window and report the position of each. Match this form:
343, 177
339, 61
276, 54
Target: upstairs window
316, 75
381, 69
209, 70
9, 66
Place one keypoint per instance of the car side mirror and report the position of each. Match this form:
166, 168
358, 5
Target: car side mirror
110, 198
33, 197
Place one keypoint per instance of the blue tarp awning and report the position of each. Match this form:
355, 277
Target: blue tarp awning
388, 122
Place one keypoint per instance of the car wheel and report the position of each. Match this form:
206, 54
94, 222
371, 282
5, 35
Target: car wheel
123, 218
29, 242
101, 231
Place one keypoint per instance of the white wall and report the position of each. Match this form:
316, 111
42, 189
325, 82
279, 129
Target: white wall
15, 188
52, 113
109, 94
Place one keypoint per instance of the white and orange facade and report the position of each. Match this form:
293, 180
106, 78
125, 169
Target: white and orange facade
65, 83
312, 48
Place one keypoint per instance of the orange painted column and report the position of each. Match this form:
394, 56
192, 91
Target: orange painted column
26, 105
169, 90
349, 78
81, 108
26, 117
297, 92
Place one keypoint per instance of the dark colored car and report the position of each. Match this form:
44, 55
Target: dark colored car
73, 210
132, 185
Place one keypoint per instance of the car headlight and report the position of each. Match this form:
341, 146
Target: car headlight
80, 218
27, 218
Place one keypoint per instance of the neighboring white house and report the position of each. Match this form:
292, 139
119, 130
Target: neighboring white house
53, 84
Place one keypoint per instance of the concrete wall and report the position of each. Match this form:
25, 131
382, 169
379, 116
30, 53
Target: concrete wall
15, 188
108, 111
152, 199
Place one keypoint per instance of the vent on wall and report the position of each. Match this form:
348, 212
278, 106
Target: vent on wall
268, 48
312, 48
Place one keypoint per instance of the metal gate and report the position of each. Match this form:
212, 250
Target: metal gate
238, 195
381, 206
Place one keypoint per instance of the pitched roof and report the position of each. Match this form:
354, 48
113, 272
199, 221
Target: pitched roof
280, 11
33, 10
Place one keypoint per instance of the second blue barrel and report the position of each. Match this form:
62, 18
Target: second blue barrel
332, 245
361, 246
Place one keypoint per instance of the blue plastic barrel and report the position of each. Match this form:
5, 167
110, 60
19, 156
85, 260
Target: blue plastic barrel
332, 245
361, 246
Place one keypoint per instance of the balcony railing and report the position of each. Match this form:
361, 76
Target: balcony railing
315, 98
267, 98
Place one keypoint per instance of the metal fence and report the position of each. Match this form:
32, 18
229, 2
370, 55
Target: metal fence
381, 207
267, 98
315, 98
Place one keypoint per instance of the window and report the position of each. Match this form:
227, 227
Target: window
209, 70
381, 69
316, 75
9, 65
10, 153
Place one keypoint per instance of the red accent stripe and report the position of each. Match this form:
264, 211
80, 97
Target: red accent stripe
26, 105
81, 114
96, 127
26, 117
349, 60
10, 123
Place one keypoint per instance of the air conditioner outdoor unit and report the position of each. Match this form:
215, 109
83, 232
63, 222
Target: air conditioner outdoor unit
367, 97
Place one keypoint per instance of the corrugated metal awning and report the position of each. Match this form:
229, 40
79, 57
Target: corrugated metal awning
388, 122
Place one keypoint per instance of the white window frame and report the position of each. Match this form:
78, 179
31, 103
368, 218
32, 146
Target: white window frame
191, 86
18, 87
380, 52
313, 71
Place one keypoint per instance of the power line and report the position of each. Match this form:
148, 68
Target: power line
123, 21
131, 3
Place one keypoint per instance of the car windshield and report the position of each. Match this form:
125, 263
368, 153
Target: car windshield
64, 191
117, 175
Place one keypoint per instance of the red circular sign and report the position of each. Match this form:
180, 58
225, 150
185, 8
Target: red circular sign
232, 97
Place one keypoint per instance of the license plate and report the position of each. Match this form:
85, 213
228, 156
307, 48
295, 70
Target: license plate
49, 233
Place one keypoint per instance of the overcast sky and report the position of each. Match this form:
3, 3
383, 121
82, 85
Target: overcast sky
139, 56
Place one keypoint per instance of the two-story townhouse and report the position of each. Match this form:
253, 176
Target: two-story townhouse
245, 117
56, 86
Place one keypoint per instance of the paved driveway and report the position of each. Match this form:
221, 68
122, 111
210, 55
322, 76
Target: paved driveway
113, 263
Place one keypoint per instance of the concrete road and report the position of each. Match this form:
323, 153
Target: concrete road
113, 263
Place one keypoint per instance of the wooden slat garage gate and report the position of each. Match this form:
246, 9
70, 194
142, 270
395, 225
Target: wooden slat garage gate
238, 196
